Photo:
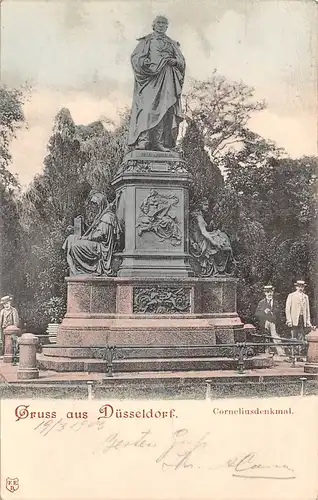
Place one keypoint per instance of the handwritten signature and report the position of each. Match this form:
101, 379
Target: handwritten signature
182, 452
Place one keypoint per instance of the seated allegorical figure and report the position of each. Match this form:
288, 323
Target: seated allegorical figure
211, 250
92, 252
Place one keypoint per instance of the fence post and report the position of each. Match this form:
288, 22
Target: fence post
311, 365
90, 390
109, 360
27, 368
302, 389
208, 389
10, 335
241, 362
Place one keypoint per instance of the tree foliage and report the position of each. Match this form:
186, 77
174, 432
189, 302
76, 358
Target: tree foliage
10, 242
11, 118
207, 178
47, 208
221, 110
270, 209
105, 151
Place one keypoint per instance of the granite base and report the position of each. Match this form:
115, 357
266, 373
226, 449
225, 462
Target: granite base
143, 312
63, 364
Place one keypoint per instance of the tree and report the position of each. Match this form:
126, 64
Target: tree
46, 209
217, 115
105, 151
221, 110
11, 118
269, 206
208, 180
10, 241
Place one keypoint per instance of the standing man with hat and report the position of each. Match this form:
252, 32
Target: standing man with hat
8, 316
297, 311
267, 313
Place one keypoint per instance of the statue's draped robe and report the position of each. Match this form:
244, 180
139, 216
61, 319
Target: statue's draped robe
216, 249
92, 254
158, 86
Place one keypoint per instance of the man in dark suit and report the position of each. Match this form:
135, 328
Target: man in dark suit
267, 313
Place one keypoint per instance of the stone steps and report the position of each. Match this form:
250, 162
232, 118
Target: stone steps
63, 364
138, 352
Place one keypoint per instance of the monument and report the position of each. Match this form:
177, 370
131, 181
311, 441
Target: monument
147, 272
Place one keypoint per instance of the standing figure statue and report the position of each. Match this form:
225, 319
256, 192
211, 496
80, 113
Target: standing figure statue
92, 252
159, 69
211, 250
8, 316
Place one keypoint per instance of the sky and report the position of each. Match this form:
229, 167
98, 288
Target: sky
76, 54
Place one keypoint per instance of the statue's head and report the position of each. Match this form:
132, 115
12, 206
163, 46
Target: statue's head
204, 204
6, 301
99, 200
160, 24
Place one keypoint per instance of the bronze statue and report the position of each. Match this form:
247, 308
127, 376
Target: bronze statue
159, 69
92, 252
211, 250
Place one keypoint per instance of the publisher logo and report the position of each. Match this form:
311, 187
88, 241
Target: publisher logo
12, 484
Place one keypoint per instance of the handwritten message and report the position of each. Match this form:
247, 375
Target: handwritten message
142, 450
182, 452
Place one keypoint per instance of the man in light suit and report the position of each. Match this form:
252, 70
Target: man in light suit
267, 313
297, 311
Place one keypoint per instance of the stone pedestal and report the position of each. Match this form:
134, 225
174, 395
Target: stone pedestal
27, 369
9, 332
155, 310
311, 365
144, 312
154, 204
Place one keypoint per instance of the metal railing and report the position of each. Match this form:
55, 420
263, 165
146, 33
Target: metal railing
241, 351
51, 337
15, 349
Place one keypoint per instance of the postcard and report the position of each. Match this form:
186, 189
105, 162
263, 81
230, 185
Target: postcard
158, 292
